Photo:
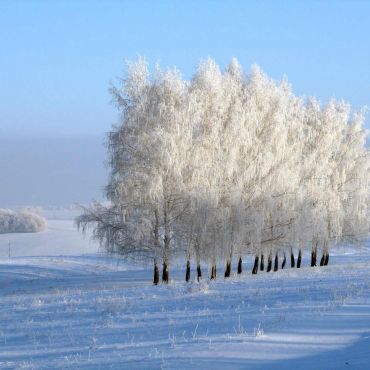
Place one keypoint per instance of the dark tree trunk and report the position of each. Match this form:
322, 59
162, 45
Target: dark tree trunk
269, 263
326, 259
299, 260
240, 266
165, 272
284, 262
255, 267
156, 273
187, 277
292, 260
213, 272
314, 256
199, 273
276, 264
322, 261
228, 269
262, 264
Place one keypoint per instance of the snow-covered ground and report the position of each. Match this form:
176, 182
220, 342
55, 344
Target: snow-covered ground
65, 306
60, 238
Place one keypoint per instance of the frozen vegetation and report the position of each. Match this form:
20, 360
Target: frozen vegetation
226, 165
20, 222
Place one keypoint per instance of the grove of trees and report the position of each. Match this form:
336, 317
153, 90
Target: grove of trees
228, 165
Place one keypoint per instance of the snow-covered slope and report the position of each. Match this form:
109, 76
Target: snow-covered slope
59, 238
96, 312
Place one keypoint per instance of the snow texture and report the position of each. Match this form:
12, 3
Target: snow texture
60, 238
91, 311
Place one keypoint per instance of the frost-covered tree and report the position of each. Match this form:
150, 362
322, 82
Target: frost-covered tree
229, 164
22, 221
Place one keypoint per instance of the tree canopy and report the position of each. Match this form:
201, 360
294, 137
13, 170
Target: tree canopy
227, 164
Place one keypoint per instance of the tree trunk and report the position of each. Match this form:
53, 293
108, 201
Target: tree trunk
165, 272
187, 277
269, 263
322, 261
326, 251
262, 264
314, 256
228, 269
299, 260
156, 273
240, 266
213, 272
276, 264
199, 273
326, 259
166, 240
255, 267
284, 262
156, 234
292, 261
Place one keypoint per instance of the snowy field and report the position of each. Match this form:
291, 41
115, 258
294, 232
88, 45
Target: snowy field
60, 238
63, 305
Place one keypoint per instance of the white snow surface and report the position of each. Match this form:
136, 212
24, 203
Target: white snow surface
91, 311
59, 238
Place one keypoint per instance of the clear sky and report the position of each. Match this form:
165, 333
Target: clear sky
57, 58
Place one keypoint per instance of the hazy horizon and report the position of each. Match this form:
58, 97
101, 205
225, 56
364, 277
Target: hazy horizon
52, 171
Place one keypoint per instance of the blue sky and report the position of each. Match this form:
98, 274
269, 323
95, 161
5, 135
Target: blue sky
57, 58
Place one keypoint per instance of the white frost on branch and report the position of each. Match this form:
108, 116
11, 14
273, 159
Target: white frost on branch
229, 163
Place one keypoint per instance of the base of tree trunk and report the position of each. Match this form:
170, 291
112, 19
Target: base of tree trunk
284, 262
313, 257
187, 277
228, 269
213, 272
276, 264
156, 274
165, 273
255, 266
240, 266
269, 264
322, 261
292, 260
262, 264
299, 259
326, 259
199, 273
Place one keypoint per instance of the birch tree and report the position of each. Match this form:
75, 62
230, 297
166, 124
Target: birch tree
227, 165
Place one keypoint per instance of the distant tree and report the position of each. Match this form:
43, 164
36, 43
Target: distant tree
20, 222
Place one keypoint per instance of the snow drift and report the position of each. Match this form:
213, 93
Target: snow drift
20, 222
